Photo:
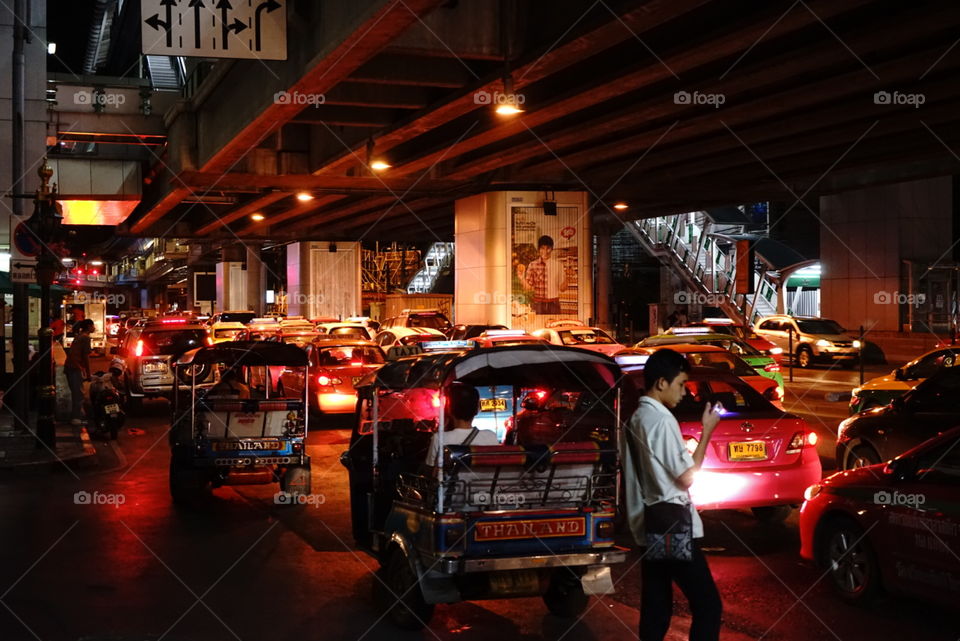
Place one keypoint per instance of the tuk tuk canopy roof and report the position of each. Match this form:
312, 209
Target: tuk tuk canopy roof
246, 353
521, 364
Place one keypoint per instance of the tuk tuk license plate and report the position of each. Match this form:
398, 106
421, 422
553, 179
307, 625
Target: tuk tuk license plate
747, 451
112, 408
493, 405
246, 446
538, 529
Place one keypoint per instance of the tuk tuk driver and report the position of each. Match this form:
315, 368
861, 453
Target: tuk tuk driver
230, 384
462, 405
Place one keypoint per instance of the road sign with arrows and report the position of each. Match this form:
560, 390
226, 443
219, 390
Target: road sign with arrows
254, 29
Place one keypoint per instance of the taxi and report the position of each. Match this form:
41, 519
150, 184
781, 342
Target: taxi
574, 334
892, 526
880, 391
224, 331
727, 326
505, 338
335, 366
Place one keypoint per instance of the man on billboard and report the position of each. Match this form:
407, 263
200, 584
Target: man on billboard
544, 278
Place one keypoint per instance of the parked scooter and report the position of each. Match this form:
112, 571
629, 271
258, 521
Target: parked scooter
106, 404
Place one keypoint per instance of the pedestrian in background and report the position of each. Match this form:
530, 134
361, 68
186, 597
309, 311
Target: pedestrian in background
658, 473
58, 326
77, 368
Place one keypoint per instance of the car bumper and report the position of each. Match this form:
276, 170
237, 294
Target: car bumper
810, 513
576, 559
718, 489
336, 402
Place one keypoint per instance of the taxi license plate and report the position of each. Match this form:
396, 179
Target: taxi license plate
493, 405
247, 446
111, 408
747, 451
530, 529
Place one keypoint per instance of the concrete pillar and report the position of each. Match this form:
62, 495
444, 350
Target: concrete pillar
256, 280
499, 268
323, 279
231, 286
867, 235
604, 276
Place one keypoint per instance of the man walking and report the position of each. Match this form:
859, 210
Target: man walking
658, 469
77, 368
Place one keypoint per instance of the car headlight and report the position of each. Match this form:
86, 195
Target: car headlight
824, 343
776, 350
857, 344
812, 491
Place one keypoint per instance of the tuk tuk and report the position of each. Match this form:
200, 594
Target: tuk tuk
526, 517
243, 433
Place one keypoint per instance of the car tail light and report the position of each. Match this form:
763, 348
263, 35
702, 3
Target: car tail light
435, 399
605, 529
774, 393
324, 381
801, 440
771, 367
209, 341
690, 443
138, 350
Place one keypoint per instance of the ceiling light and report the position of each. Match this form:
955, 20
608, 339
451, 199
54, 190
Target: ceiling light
508, 110
96, 263
257, 217
51, 48
304, 196
380, 165
621, 206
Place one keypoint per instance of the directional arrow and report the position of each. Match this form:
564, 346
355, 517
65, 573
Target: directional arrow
270, 6
197, 6
237, 26
224, 6
155, 21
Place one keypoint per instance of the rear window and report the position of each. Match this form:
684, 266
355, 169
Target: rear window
584, 337
173, 342
237, 317
359, 332
433, 321
347, 356
735, 396
226, 333
722, 361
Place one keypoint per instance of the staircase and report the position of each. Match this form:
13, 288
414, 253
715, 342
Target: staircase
439, 259
685, 244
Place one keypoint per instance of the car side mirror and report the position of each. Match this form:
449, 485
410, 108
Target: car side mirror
899, 374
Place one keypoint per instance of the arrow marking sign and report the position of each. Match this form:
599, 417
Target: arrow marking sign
253, 29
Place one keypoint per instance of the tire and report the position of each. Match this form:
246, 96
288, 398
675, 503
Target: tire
565, 597
203, 372
850, 562
187, 484
861, 456
296, 480
400, 593
772, 513
804, 357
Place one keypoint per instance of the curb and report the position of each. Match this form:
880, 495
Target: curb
85, 457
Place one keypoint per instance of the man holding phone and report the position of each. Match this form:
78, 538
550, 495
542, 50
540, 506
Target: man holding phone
659, 469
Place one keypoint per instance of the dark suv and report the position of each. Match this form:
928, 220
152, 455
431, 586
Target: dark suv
148, 350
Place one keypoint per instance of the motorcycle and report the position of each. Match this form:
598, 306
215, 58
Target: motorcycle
106, 404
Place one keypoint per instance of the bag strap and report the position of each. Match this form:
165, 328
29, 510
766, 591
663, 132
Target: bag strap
653, 456
472, 435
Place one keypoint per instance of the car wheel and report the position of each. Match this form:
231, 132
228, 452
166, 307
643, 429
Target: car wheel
804, 357
565, 596
861, 456
772, 513
201, 371
399, 591
850, 561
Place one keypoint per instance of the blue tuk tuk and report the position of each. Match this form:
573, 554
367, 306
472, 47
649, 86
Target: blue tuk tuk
531, 516
245, 434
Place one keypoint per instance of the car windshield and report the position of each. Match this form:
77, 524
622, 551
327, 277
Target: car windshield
723, 361
173, 342
433, 321
584, 337
929, 364
348, 356
226, 333
736, 397
732, 345
301, 340
821, 326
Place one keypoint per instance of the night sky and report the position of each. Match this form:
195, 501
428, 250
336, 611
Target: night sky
68, 23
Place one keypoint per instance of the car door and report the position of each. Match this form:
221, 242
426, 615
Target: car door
923, 516
774, 331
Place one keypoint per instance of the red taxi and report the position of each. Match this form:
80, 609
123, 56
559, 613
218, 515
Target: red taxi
760, 457
334, 368
727, 326
893, 526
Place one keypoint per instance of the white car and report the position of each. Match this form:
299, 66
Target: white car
346, 329
407, 336
592, 338
814, 339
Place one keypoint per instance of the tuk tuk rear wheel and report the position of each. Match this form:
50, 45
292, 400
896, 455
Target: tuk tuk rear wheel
565, 596
402, 595
296, 480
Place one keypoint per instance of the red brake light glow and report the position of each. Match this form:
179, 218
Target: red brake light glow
138, 350
771, 367
812, 438
323, 380
435, 399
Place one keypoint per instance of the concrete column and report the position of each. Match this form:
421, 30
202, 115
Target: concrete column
604, 276
497, 236
323, 279
256, 280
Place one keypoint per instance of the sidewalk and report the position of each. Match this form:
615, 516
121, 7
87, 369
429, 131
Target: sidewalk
19, 450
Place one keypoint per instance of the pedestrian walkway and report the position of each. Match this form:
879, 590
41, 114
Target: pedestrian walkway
20, 450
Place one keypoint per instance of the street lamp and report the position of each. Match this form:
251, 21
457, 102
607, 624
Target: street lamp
45, 226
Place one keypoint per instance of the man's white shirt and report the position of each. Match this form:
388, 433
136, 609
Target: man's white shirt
457, 437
